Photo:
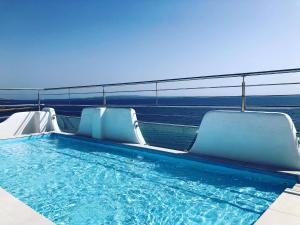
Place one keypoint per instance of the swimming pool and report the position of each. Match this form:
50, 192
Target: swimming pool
73, 181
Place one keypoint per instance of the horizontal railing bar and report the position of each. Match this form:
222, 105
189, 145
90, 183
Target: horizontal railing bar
168, 115
161, 97
78, 93
245, 74
273, 106
144, 122
202, 87
272, 84
168, 124
229, 75
18, 105
42, 94
199, 97
98, 92
194, 88
77, 117
176, 89
180, 106
148, 90
21, 89
72, 105
18, 94
161, 89
14, 109
129, 91
155, 106
73, 111
208, 96
164, 89
272, 95
160, 115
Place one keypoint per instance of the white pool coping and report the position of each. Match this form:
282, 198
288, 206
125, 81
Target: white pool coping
284, 210
15, 212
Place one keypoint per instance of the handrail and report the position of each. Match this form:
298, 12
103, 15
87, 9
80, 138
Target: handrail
228, 75
169, 124
21, 89
245, 74
149, 105
19, 105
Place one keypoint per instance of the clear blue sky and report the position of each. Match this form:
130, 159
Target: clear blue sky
71, 42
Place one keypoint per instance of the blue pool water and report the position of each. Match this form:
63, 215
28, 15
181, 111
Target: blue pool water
78, 182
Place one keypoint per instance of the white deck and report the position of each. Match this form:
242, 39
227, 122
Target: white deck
15, 212
284, 210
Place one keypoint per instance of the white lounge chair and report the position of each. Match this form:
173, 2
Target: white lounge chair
117, 124
267, 138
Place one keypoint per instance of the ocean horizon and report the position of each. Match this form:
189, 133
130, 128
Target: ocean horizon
171, 109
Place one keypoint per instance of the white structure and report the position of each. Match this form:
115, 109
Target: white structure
52, 124
117, 124
267, 138
23, 123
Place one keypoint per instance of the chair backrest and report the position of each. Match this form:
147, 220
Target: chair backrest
22, 123
90, 122
49, 121
117, 124
267, 138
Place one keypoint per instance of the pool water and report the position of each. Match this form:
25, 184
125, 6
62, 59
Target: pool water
79, 182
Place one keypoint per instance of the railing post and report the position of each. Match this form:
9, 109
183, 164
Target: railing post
69, 96
103, 95
39, 101
243, 95
156, 94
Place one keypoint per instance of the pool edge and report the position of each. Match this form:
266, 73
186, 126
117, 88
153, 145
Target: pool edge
284, 210
191, 156
13, 211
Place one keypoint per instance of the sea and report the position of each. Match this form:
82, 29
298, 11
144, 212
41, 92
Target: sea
171, 110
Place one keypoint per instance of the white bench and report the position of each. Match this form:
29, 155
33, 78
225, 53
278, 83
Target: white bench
23, 123
267, 138
117, 124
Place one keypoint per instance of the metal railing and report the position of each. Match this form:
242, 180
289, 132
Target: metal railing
166, 120
104, 93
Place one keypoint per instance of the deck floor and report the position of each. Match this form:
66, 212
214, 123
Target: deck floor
15, 212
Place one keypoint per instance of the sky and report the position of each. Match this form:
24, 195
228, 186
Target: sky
47, 43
